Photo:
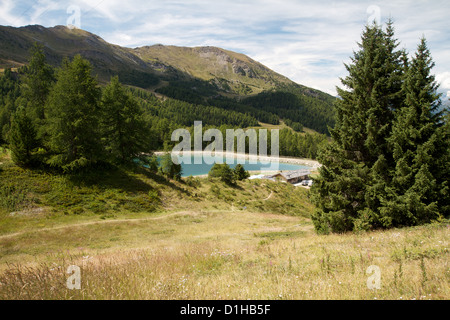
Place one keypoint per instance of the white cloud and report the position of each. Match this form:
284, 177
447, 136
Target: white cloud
9, 18
41, 8
444, 81
307, 41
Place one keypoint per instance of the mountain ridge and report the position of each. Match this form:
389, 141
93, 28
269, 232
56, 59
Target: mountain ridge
209, 63
222, 67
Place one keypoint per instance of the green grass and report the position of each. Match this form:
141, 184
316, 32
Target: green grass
32, 199
282, 126
280, 234
25, 194
202, 240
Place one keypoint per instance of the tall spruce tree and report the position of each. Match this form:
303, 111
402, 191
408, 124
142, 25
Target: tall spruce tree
73, 117
419, 191
125, 134
356, 164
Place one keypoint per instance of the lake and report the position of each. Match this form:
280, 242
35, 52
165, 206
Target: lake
201, 165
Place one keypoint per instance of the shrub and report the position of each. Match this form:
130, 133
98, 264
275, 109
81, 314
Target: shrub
240, 173
224, 172
193, 182
335, 222
363, 222
169, 168
151, 162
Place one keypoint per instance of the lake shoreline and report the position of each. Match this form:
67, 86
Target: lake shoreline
315, 165
252, 173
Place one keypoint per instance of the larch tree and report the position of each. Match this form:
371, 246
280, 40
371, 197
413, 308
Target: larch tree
38, 80
22, 138
73, 117
125, 134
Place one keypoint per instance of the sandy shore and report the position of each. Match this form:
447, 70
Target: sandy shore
300, 161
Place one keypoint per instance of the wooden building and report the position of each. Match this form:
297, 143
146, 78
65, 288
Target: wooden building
292, 177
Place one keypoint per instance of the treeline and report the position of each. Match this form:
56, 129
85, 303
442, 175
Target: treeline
232, 104
312, 112
194, 91
205, 94
295, 105
185, 113
388, 163
295, 144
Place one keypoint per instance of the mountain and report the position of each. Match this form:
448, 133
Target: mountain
226, 69
60, 42
218, 66
200, 75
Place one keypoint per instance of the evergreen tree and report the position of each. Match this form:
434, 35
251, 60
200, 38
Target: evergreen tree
22, 138
72, 119
356, 164
37, 81
240, 173
419, 191
222, 171
9, 100
169, 168
126, 135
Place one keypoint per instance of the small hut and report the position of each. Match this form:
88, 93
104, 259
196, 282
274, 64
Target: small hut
292, 177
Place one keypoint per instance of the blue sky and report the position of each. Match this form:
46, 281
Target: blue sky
307, 41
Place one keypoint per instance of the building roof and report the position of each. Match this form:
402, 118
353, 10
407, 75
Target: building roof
288, 175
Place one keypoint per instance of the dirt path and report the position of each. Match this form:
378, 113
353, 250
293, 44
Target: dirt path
83, 224
180, 213
270, 196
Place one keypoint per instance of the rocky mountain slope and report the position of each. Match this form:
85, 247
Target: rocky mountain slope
224, 68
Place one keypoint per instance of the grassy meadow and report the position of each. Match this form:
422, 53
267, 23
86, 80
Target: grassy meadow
137, 235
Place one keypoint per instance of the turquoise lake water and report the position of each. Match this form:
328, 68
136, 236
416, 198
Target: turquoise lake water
206, 162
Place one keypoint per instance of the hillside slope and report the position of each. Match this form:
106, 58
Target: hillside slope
224, 68
197, 240
200, 75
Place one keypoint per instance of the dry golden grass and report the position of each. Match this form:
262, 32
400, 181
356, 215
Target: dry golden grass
232, 255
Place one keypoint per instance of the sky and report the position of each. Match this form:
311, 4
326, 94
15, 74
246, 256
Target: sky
306, 41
